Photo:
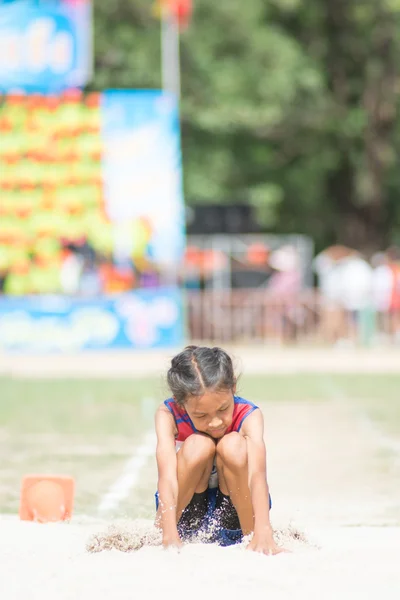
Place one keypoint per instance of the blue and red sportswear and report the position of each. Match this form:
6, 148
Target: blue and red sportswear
242, 409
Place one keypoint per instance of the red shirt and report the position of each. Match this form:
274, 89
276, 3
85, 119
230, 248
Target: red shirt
242, 409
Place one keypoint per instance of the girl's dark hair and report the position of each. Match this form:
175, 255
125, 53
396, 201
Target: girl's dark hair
197, 369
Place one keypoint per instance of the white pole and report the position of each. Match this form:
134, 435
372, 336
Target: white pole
171, 80
171, 77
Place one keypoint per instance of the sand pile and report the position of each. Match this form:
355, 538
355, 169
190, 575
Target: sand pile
130, 536
125, 536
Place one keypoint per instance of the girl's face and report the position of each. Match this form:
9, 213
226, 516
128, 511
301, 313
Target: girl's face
211, 413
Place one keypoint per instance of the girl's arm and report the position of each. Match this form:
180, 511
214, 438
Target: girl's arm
253, 431
167, 476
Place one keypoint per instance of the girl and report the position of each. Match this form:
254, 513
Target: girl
211, 456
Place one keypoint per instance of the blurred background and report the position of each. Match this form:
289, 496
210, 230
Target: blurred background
219, 172
161, 182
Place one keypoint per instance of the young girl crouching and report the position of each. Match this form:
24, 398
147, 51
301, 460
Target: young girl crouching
211, 456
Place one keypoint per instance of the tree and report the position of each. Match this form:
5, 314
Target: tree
356, 45
286, 104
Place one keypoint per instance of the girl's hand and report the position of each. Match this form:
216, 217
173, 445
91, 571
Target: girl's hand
172, 541
265, 546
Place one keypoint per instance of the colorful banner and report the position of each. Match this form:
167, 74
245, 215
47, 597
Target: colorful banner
138, 320
45, 46
50, 186
142, 171
89, 179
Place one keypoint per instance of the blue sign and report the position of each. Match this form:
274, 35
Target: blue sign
142, 170
45, 46
142, 319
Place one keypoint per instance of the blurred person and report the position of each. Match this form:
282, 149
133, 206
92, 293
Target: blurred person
381, 282
327, 266
71, 272
215, 269
3, 279
381, 290
90, 281
286, 278
393, 255
211, 456
83, 248
191, 268
356, 288
285, 285
345, 283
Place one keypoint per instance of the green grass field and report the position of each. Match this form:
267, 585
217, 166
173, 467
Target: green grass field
90, 428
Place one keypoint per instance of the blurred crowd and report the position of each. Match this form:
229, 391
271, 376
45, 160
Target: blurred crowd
355, 289
76, 268
354, 296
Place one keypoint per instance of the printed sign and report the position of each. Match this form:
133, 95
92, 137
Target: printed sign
143, 172
142, 319
45, 46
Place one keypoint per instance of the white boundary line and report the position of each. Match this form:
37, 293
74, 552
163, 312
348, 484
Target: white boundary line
129, 477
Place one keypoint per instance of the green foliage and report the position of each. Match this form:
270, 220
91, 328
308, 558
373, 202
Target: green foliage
287, 104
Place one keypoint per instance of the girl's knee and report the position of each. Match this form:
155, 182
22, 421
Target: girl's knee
232, 450
198, 448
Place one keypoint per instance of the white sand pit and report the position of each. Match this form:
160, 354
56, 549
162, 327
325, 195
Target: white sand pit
329, 488
52, 562
327, 471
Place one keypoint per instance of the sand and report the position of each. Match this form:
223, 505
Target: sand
325, 485
51, 561
330, 481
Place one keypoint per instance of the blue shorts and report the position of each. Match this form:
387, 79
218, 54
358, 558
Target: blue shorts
214, 532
